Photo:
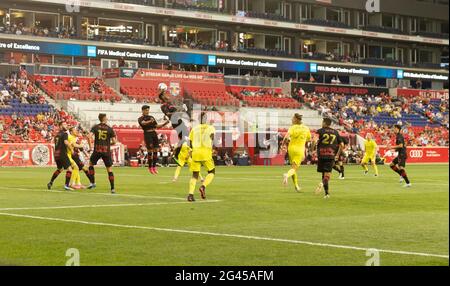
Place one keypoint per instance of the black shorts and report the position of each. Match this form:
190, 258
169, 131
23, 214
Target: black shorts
325, 165
151, 140
400, 161
77, 160
106, 157
62, 162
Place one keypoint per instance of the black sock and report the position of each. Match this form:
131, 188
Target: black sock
86, 172
68, 175
326, 179
395, 169
55, 175
150, 159
336, 167
111, 179
404, 176
155, 159
342, 170
92, 174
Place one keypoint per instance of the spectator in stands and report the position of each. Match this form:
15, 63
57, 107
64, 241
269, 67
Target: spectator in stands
74, 84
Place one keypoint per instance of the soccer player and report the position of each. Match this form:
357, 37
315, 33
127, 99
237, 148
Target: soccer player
298, 135
149, 125
329, 147
339, 164
370, 153
77, 164
103, 137
201, 139
184, 158
176, 115
62, 160
399, 163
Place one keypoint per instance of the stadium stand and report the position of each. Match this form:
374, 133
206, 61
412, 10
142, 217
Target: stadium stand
81, 88
263, 97
363, 114
25, 115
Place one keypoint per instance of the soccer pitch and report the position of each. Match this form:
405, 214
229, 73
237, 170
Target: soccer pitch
249, 218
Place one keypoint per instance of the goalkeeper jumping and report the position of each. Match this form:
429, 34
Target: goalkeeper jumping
177, 113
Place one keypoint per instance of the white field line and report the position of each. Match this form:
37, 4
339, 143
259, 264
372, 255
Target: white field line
102, 206
86, 192
239, 236
301, 179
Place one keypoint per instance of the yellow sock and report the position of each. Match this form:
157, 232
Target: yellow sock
291, 172
177, 172
73, 178
295, 179
192, 184
200, 177
375, 167
209, 178
78, 178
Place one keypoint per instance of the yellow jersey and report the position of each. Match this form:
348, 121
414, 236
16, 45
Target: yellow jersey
371, 147
201, 142
299, 134
72, 140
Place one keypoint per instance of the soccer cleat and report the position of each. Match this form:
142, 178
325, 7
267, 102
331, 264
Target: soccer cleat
49, 185
191, 198
202, 191
376, 175
319, 188
91, 186
155, 170
407, 185
151, 170
298, 189
401, 180
174, 180
366, 172
285, 179
326, 197
113, 191
341, 177
67, 188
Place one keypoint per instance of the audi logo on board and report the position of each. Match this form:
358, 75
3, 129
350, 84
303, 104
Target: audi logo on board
416, 153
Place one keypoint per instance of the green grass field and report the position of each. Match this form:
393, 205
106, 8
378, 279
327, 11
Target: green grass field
248, 219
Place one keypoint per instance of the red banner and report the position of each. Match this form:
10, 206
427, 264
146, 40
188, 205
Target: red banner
41, 154
433, 94
419, 154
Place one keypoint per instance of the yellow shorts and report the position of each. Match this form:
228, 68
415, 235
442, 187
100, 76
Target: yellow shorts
296, 159
366, 158
196, 166
183, 162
